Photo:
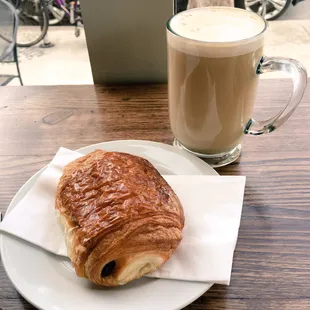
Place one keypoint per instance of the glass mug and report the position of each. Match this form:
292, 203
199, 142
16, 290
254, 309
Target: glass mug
215, 55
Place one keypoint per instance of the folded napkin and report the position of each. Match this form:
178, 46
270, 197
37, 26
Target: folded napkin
212, 208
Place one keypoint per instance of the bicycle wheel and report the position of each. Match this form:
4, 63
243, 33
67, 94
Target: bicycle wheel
33, 22
55, 14
269, 9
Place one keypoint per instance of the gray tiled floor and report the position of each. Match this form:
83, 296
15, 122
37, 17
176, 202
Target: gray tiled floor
300, 11
65, 63
68, 62
289, 38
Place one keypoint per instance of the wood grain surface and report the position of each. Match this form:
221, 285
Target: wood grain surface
271, 267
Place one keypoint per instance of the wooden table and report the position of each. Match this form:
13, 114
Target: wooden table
271, 267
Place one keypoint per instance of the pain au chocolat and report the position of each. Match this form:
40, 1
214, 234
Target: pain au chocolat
121, 219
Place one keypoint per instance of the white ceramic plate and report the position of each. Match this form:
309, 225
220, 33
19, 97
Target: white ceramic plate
48, 281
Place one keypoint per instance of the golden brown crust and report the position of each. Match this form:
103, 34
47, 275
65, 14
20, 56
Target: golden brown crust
117, 207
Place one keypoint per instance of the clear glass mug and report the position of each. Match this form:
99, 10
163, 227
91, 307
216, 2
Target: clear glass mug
212, 85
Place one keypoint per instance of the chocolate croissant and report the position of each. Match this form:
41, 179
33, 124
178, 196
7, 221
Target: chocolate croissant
121, 218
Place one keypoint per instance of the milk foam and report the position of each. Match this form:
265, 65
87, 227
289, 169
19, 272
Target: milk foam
216, 31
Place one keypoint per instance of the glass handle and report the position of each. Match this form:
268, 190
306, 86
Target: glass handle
299, 76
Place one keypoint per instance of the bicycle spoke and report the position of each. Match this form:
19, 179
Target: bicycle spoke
252, 2
262, 9
57, 13
277, 4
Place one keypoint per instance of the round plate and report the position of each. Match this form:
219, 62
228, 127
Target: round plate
48, 282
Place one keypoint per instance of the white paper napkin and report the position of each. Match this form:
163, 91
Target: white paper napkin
212, 207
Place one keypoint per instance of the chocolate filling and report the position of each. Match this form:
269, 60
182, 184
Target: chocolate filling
108, 269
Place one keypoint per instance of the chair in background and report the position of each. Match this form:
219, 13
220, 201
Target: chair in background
8, 48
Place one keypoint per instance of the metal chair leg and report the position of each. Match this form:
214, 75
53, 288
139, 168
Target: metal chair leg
17, 65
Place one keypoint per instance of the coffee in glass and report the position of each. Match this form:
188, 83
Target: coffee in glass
215, 55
